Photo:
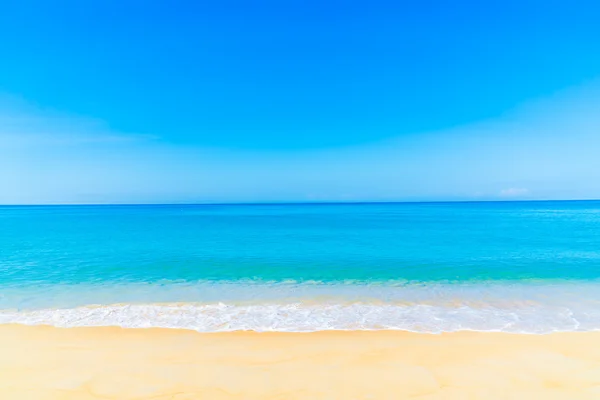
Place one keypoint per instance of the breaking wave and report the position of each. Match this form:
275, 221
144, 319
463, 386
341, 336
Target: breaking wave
299, 317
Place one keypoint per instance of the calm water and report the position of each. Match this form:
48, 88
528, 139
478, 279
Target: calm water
515, 266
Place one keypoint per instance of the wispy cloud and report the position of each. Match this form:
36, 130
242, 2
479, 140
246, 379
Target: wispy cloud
22, 124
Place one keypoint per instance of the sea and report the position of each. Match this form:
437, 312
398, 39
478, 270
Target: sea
527, 267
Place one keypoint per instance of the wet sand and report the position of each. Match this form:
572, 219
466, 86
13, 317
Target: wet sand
39, 362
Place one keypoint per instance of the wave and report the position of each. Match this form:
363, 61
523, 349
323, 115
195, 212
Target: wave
206, 306
308, 317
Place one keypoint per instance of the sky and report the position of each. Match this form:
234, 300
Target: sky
277, 101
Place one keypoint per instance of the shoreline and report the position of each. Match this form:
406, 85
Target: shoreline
44, 362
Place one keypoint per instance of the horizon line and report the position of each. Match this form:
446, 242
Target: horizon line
294, 203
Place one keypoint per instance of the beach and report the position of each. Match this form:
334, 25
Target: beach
43, 362
299, 200
301, 301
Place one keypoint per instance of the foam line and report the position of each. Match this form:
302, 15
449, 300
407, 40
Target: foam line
219, 317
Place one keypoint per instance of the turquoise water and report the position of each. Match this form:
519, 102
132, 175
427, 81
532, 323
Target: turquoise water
515, 266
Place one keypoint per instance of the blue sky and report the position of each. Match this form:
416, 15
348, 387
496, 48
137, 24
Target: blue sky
131, 101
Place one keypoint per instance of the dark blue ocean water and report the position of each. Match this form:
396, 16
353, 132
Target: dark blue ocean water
546, 254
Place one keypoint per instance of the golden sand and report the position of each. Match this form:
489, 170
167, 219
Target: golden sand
113, 363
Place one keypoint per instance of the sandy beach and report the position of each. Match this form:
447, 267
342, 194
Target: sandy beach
40, 362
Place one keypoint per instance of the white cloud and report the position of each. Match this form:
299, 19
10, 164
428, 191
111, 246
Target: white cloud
514, 192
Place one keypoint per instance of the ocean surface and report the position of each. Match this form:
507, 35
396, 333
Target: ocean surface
531, 267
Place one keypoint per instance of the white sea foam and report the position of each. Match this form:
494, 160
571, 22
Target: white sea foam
316, 317
526, 307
